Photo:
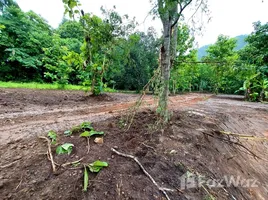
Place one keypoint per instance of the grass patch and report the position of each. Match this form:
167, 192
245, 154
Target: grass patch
45, 86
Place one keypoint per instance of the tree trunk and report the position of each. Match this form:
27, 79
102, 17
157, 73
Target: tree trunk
165, 70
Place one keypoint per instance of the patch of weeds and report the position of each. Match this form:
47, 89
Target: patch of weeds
94, 167
65, 148
53, 136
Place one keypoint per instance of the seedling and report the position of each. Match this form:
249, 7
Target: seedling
53, 136
88, 134
94, 167
65, 148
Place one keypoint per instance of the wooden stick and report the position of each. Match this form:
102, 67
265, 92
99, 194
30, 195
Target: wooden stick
163, 190
71, 163
251, 137
49, 153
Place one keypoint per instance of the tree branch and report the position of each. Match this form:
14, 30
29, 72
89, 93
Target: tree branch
163, 190
179, 14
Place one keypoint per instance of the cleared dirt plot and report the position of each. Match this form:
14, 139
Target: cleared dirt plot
219, 139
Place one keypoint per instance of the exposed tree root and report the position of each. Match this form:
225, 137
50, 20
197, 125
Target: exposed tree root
50, 156
163, 190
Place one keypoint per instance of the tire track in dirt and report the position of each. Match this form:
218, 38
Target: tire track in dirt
21, 125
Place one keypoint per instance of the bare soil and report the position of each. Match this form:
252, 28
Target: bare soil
191, 143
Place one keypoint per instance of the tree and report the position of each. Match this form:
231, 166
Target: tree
222, 58
255, 55
7, 3
21, 42
170, 12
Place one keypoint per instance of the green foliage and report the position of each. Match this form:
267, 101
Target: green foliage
86, 126
65, 148
53, 136
91, 133
255, 54
60, 62
96, 166
222, 58
21, 43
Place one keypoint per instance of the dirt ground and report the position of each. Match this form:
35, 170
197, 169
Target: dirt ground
192, 144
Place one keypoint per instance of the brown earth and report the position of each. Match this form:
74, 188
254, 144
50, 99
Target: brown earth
191, 143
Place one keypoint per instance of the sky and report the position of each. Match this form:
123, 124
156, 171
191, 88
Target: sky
228, 17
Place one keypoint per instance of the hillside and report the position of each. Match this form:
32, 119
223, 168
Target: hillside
240, 44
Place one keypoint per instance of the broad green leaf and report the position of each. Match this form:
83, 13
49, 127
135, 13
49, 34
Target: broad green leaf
65, 148
91, 133
97, 166
85, 134
60, 150
86, 125
85, 179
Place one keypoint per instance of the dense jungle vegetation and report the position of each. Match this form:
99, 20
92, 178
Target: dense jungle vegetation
107, 51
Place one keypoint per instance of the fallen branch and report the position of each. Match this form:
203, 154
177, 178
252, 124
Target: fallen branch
71, 163
49, 153
163, 190
236, 143
251, 137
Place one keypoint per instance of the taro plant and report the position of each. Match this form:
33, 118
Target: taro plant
94, 167
65, 149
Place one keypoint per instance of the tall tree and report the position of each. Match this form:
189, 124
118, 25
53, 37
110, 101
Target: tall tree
170, 12
222, 57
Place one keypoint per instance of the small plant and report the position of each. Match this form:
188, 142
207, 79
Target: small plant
91, 133
53, 136
68, 133
94, 167
97, 166
86, 126
65, 148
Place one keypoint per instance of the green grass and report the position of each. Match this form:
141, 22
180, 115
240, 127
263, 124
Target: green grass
45, 86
